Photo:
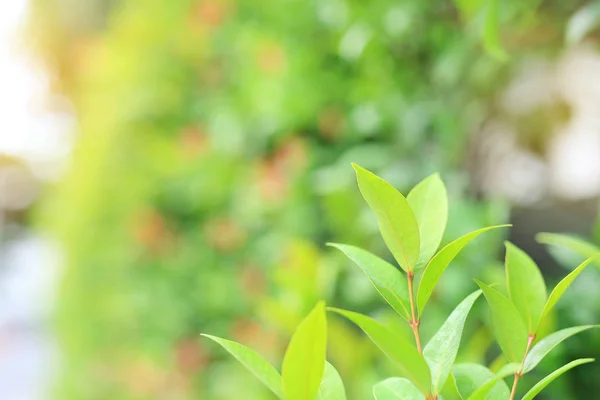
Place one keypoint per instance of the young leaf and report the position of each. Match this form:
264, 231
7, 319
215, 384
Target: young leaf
396, 219
526, 286
332, 387
468, 378
484, 392
429, 202
441, 350
387, 279
396, 389
584, 248
544, 346
440, 262
563, 285
398, 349
253, 362
552, 376
304, 359
507, 325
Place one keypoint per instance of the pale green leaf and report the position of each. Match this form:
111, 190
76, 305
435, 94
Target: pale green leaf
526, 287
396, 389
552, 376
469, 378
563, 285
581, 247
507, 325
491, 31
429, 202
387, 279
332, 387
544, 346
398, 349
485, 392
441, 350
304, 359
250, 359
440, 262
397, 222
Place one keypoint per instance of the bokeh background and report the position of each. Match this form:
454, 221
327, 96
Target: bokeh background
175, 167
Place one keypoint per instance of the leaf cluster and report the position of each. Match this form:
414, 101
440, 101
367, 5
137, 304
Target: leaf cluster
412, 228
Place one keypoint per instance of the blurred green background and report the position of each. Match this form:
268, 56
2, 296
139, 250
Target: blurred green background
212, 164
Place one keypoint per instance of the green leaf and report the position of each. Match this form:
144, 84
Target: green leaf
579, 246
304, 359
544, 346
396, 389
441, 350
469, 378
440, 262
526, 287
253, 362
469, 8
398, 349
551, 377
397, 222
429, 202
485, 391
507, 325
491, 35
332, 387
387, 279
500, 389
562, 286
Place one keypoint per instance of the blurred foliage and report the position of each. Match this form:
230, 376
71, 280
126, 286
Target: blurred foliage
214, 160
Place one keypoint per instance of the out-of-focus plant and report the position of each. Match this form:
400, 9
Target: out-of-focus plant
215, 137
213, 151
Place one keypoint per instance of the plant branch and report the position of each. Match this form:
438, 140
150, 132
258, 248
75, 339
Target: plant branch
414, 322
519, 372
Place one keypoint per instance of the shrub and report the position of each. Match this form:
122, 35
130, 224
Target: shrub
412, 228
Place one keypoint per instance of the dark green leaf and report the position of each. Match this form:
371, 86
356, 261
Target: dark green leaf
253, 362
332, 387
304, 359
429, 202
509, 329
396, 389
551, 377
526, 286
441, 350
440, 262
396, 219
544, 346
387, 279
398, 349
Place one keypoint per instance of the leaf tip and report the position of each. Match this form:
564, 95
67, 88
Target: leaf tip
480, 283
541, 237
